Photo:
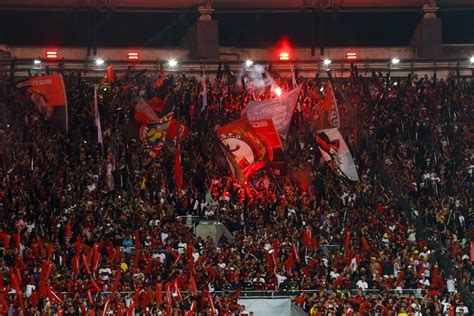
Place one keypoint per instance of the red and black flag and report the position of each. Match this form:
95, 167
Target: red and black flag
48, 94
244, 149
267, 132
335, 152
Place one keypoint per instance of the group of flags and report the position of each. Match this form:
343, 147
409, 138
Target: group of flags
254, 141
249, 144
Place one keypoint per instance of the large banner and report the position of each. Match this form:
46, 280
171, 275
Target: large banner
48, 94
244, 150
266, 130
279, 110
336, 153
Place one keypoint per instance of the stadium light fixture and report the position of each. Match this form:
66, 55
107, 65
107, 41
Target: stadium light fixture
278, 91
352, 56
51, 54
133, 56
395, 61
99, 61
248, 62
37, 61
172, 63
284, 56
471, 59
327, 62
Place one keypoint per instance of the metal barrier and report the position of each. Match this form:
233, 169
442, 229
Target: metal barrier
289, 293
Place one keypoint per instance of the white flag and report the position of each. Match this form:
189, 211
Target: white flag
334, 149
279, 110
97, 117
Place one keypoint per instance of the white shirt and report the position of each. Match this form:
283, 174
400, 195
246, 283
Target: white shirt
450, 284
105, 273
362, 285
280, 278
462, 309
333, 274
29, 289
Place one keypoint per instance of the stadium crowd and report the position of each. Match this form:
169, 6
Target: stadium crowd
91, 229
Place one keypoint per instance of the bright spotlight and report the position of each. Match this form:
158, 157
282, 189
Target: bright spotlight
99, 62
471, 59
395, 61
248, 62
327, 62
278, 91
172, 62
36, 61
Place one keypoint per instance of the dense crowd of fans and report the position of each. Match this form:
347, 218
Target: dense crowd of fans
89, 228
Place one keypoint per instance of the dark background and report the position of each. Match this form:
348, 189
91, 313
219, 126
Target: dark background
125, 29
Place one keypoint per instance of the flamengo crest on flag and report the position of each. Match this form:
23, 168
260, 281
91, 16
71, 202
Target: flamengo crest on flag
279, 110
153, 134
243, 148
334, 149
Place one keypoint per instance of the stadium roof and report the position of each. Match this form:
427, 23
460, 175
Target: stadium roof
242, 23
229, 4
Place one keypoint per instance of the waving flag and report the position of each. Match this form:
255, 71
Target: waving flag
244, 150
335, 151
153, 135
97, 117
279, 110
144, 113
49, 97
266, 130
329, 114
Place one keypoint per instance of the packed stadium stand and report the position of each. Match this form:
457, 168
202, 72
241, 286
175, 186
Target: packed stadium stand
212, 179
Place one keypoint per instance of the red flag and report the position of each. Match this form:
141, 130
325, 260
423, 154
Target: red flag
314, 244
40, 244
156, 104
168, 293
110, 74
365, 245
290, 262
117, 280
211, 303
173, 131
106, 306
178, 173
244, 150
400, 278
159, 294
48, 94
297, 255
329, 97
307, 236
211, 271
78, 244
347, 240
270, 262
86, 263
68, 230
192, 285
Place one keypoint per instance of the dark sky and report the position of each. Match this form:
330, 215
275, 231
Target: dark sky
245, 30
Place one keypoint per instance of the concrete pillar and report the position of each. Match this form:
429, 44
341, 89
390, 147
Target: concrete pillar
427, 37
202, 39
